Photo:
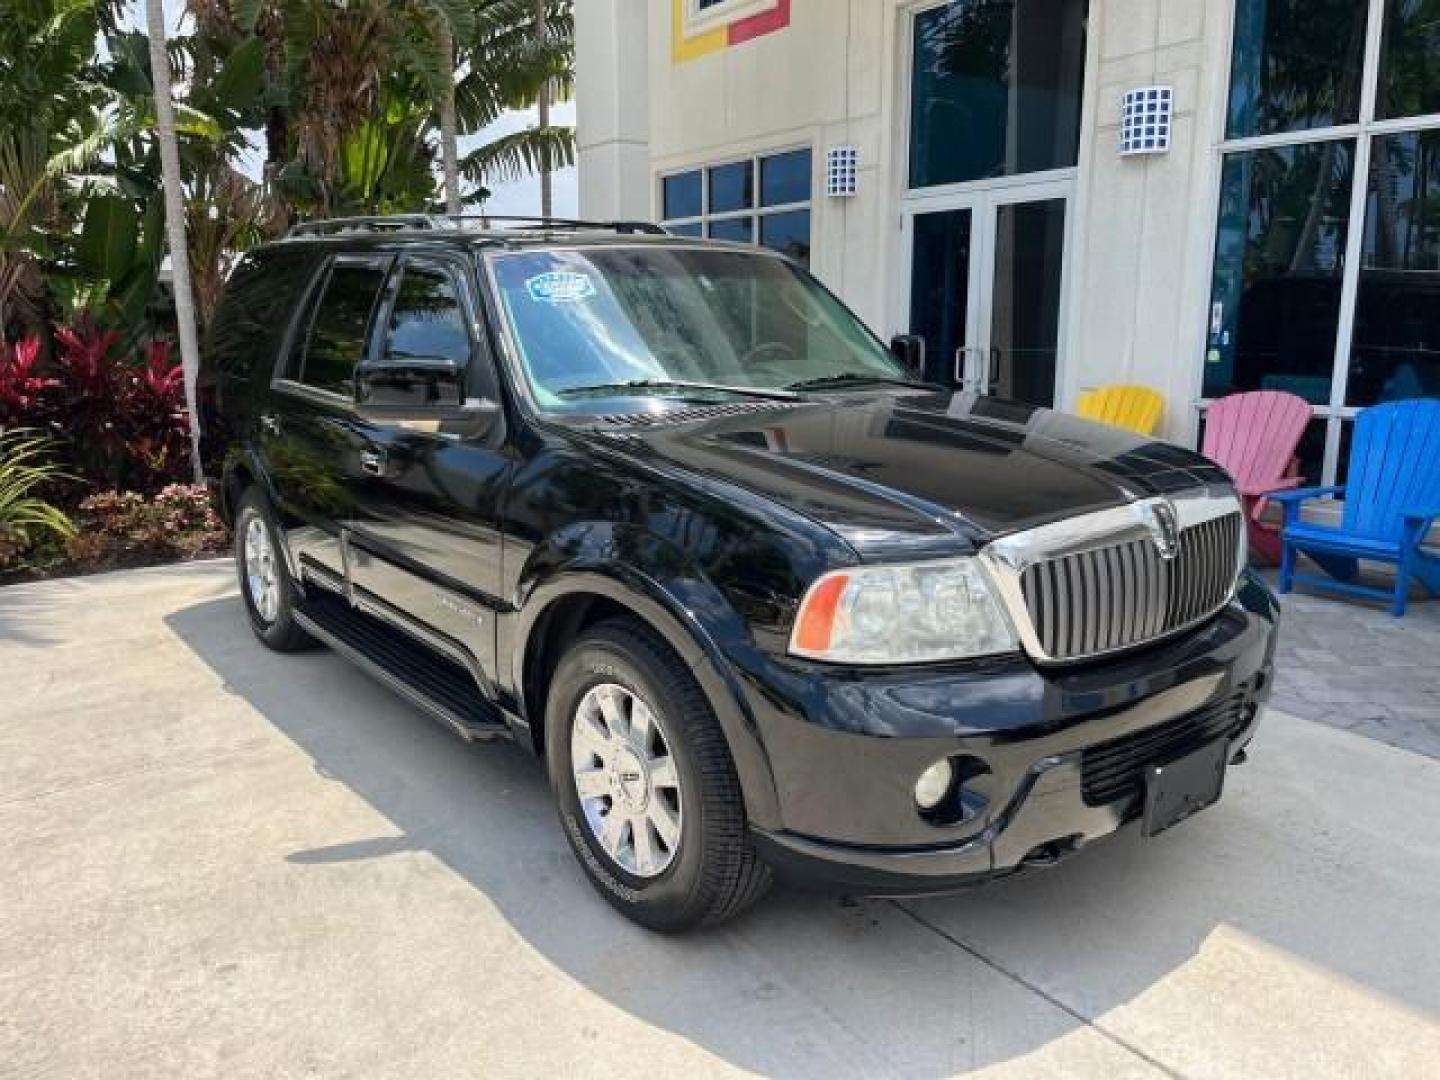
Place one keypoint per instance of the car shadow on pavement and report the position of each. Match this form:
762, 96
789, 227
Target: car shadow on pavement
816, 985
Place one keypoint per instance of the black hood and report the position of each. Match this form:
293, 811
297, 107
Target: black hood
889, 471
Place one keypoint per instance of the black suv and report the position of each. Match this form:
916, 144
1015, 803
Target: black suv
666, 513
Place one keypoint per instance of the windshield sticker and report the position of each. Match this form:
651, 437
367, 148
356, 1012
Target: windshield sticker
560, 287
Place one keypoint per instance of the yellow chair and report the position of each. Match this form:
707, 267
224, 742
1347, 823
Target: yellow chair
1134, 408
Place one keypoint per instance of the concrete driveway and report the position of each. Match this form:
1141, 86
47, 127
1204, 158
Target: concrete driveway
219, 861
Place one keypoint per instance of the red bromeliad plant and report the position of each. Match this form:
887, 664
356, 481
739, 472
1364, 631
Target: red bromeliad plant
121, 418
20, 386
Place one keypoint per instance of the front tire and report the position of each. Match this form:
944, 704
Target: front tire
645, 784
270, 595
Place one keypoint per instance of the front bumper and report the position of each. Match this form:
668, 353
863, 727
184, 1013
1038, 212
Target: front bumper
1054, 756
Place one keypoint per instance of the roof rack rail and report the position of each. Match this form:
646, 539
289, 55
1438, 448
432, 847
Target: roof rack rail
522, 221
426, 222
376, 223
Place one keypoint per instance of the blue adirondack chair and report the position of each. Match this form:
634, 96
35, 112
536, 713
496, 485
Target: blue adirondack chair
1391, 501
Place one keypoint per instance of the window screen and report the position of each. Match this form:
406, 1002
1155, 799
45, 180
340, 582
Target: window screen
342, 323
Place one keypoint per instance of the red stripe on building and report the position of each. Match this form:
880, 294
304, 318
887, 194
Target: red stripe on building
777, 18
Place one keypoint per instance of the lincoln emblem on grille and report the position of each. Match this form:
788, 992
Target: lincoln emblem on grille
1160, 518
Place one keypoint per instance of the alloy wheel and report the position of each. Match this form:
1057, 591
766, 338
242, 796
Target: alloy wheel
626, 779
262, 577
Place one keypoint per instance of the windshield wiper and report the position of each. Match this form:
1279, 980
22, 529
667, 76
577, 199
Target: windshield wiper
775, 394
856, 378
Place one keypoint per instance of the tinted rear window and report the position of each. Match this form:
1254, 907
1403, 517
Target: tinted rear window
255, 310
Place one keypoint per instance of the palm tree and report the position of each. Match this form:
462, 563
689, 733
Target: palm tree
175, 222
523, 53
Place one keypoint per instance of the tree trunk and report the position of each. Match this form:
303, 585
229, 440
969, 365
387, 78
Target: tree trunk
175, 223
449, 151
543, 102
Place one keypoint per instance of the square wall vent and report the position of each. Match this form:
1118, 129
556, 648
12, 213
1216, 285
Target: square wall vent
1145, 121
842, 166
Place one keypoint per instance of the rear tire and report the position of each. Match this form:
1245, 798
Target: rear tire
656, 765
269, 593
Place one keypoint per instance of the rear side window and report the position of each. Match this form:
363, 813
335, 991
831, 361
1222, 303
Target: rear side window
336, 342
255, 310
427, 321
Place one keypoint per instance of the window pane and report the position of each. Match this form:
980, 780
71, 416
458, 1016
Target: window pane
785, 178
1396, 349
691, 229
995, 89
1025, 315
337, 338
1279, 255
940, 288
680, 195
427, 321
788, 232
732, 187
1297, 65
1410, 59
741, 229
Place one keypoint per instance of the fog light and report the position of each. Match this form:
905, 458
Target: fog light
934, 784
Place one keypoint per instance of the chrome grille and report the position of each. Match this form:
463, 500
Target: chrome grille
1115, 593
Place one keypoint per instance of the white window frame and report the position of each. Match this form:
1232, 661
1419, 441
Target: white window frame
1363, 132
755, 212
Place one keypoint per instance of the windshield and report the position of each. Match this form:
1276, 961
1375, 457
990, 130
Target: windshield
671, 321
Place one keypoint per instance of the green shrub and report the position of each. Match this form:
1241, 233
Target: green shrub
26, 468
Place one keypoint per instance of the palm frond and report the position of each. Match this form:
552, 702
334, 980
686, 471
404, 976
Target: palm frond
511, 157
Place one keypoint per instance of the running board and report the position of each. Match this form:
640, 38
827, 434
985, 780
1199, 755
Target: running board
434, 683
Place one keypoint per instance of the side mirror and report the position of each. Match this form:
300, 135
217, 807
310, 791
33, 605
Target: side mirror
420, 384
420, 390
909, 349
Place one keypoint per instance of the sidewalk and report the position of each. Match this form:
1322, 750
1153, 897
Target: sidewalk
220, 861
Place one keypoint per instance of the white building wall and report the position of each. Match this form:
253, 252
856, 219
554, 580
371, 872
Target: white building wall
1138, 258
612, 122
1141, 249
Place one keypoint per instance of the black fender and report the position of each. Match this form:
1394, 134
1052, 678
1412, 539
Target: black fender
247, 462
683, 606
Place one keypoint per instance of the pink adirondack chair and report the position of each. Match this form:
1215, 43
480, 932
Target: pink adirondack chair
1254, 437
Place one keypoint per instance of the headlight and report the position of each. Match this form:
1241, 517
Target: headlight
902, 615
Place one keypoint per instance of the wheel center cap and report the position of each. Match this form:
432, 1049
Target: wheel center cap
631, 779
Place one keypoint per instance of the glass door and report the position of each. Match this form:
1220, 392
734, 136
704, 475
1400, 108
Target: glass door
987, 289
944, 293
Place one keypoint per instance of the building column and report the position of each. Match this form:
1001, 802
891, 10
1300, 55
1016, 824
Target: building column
612, 109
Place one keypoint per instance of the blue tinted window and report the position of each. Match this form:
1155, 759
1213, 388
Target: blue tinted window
996, 89
788, 232
732, 187
1396, 352
681, 195
1279, 258
1296, 65
692, 229
740, 229
1410, 59
785, 178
